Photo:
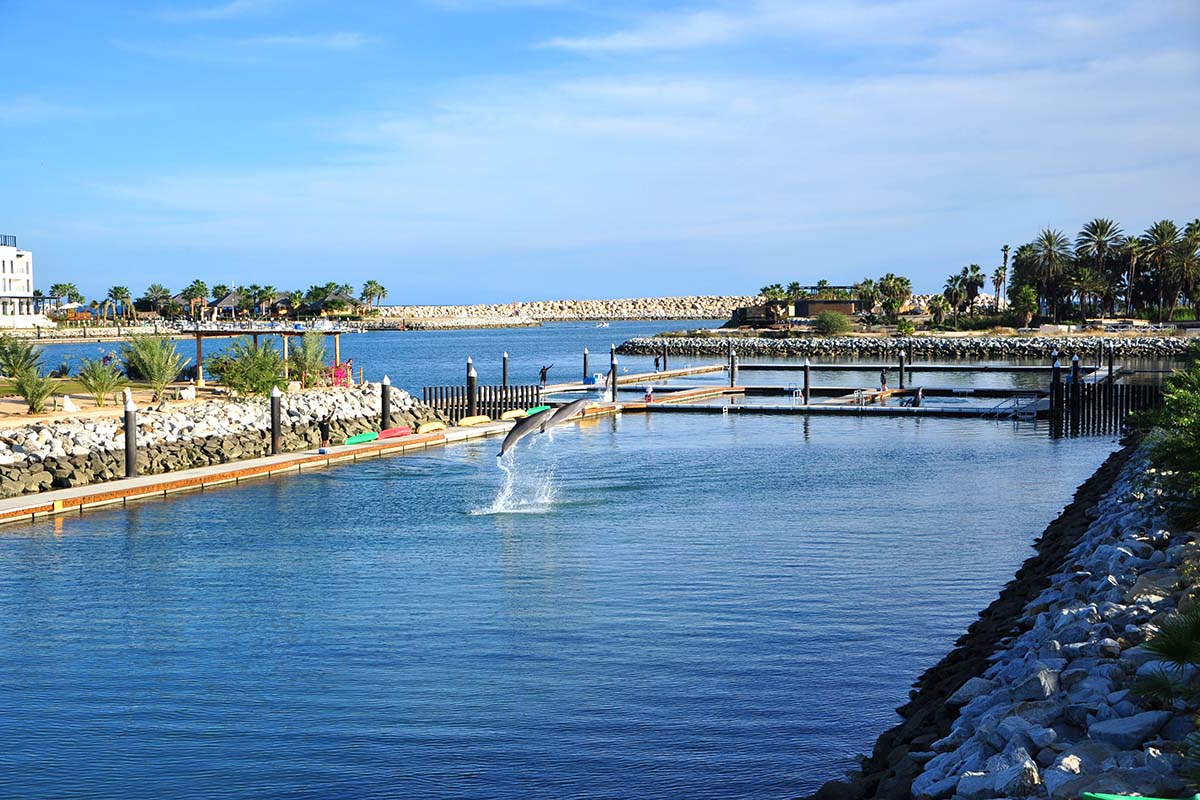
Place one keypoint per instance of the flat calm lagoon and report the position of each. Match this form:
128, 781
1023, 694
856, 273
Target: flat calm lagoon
656, 607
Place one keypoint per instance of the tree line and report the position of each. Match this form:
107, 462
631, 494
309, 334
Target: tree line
253, 299
1103, 272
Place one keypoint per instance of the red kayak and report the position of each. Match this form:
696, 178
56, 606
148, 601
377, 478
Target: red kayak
392, 433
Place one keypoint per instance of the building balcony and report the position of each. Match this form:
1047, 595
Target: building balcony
7, 241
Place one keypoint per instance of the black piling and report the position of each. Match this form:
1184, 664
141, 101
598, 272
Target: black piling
276, 420
130, 438
504, 369
585, 364
807, 381
901, 369
733, 369
385, 404
472, 389
612, 370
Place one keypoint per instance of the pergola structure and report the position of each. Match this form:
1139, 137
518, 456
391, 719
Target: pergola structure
201, 335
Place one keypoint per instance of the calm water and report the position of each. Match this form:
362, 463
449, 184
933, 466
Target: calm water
652, 607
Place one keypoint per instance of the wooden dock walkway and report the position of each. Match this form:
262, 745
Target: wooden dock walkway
79, 499
637, 377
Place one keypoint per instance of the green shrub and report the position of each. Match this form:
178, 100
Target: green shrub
34, 388
308, 359
100, 380
247, 370
905, 327
1175, 446
18, 355
153, 359
831, 323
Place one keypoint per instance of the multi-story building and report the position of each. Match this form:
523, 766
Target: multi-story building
16, 287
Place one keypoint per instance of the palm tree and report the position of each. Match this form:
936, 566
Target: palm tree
156, 294
195, 294
955, 293
868, 294
219, 290
999, 276
1053, 254
1098, 242
1186, 268
1132, 249
938, 308
1159, 243
372, 292
120, 296
894, 291
67, 291
973, 281
1089, 282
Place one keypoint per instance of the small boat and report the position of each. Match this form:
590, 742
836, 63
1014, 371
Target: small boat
601, 324
362, 438
431, 427
478, 419
392, 433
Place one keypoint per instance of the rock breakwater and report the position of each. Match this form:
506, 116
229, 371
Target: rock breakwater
82, 451
688, 307
1038, 699
929, 347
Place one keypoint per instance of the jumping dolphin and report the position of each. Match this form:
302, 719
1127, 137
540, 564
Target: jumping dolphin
564, 413
523, 428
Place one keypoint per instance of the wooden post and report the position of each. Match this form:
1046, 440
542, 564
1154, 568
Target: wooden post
286, 369
1056, 400
612, 370
254, 337
902, 369
472, 389
130, 436
337, 349
585, 365
1076, 395
807, 381
385, 403
276, 421
199, 360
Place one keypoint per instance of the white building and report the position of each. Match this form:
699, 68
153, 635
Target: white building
16, 287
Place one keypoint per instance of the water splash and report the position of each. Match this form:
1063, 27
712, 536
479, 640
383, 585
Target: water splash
522, 491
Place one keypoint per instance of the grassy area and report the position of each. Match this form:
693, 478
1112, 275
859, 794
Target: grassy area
63, 386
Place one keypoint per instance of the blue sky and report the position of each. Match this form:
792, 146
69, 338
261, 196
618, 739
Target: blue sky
492, 150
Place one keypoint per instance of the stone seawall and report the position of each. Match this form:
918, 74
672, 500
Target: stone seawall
82, 451
1038, 700
918, 346
689, 307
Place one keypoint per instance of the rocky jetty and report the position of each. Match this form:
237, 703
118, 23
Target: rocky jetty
929, 347
81, 451
1039, 699
690, 307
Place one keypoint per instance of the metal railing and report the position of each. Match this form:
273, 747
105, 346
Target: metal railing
7, 241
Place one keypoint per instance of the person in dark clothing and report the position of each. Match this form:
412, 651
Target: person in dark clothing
323, 426
657, 363
542, 374
883, 380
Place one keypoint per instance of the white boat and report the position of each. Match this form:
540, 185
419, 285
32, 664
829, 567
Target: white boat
601, 324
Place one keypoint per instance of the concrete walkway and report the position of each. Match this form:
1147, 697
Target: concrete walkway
82, 498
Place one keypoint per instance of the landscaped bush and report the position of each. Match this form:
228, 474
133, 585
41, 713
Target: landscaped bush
831, 323
905, 327
153, 359
1175, 445
34, 388
248, 370
308, 359
100, 380
18, 355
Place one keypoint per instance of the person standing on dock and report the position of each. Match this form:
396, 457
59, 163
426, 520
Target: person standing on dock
323, 426
542, 375
657, 363
883, 380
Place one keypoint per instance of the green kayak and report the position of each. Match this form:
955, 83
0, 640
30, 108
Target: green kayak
359, 438
536, 409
